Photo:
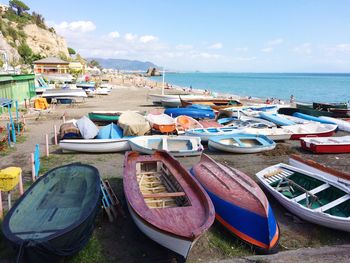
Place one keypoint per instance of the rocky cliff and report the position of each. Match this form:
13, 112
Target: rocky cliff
45, 42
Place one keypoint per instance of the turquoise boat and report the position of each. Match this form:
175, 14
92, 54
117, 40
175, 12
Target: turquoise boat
312, 118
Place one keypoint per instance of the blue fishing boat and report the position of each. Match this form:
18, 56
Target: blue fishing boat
240, 205
276, 118
199, 106
191, 112
241, 143
312, 118
110, 131
206, 133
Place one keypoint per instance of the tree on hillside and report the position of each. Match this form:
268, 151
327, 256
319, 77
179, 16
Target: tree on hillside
94, 63
19, 6
38, 19
71, 51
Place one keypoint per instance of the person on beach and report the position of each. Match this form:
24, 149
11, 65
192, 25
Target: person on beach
292, 99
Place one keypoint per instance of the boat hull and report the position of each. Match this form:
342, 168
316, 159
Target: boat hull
172, 242
319, 148
213, 144
95, 145
195, 151
191, 112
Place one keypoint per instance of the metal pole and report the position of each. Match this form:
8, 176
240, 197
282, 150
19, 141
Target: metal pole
17, 117
163, 86
12, 125
8, 134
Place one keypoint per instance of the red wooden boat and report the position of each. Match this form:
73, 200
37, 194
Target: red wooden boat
240, 205
326, 144
165, 201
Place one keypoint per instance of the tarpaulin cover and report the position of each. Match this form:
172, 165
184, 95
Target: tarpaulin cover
55, 216
41, 104
87, 128
69, 131
110, 131
133, 124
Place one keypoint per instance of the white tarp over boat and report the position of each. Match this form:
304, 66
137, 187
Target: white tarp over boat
133, 124
87, 128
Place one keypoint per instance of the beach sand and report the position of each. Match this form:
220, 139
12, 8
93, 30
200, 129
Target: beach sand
121, 241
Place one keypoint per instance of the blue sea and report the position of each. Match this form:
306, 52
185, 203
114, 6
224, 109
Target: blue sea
306, 87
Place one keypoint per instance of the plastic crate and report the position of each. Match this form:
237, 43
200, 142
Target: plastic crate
9, 178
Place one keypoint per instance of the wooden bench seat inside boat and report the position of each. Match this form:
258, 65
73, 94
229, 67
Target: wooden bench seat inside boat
159, 187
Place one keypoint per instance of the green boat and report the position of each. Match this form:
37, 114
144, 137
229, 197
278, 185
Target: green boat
105, 116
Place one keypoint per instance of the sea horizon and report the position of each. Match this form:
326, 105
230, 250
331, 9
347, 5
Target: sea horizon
305, 87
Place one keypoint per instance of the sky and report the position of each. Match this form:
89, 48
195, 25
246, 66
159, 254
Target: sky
207, 35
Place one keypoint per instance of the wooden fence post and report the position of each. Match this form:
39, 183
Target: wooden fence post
47, 145
55, 131
33, 166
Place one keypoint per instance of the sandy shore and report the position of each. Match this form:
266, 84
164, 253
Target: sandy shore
122, 241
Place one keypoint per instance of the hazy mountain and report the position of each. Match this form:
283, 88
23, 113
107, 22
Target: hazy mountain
124, 64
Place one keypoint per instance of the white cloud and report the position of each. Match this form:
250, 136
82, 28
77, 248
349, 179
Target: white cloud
267, 49
207, 55
270, 46
148, 38
184, 47
114, 34
76, 26
275, 42
217, 45
341, 48
304, 49
130, 37
241, 49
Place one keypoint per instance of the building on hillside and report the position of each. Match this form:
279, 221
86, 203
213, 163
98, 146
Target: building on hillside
17, 87
3, 8
77, 66
51, 65
95, 71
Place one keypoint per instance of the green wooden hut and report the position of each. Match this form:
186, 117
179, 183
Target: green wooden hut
17, 87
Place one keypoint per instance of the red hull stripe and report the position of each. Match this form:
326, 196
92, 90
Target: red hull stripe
248, 238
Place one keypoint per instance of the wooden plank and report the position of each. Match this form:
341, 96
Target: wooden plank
313, 191
333, 203
164, 195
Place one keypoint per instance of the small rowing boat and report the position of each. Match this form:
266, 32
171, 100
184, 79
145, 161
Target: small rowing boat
241, 143
326, 144
314, 129
161, 122
166, 203
308, 195
175, 145
206, 133
240, 205
184, 123
276, 134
